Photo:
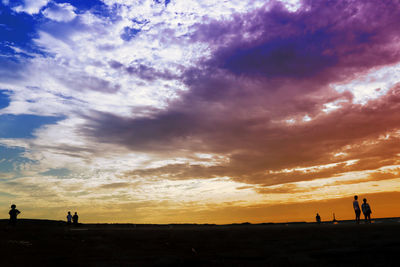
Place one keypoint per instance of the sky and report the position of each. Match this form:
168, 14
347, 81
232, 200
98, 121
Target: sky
199, 111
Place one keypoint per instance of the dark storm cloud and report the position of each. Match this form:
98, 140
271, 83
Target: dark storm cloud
144, 134
322, 41
268, 66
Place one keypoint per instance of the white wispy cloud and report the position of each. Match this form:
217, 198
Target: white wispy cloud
63, 12
31, 6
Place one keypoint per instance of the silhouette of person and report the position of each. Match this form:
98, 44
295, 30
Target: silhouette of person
69, 218
318, 218
334, 218
357, 210
13, 214
366, 209
75, 219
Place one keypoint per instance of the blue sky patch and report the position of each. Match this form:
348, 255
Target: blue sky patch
129, 33
13, 3
4, 98
82, 6
16, 30
11, 159
23, 126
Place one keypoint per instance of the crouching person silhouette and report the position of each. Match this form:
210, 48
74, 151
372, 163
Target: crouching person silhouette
13, 215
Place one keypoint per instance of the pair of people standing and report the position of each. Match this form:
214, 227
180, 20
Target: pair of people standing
365, 208
72, 219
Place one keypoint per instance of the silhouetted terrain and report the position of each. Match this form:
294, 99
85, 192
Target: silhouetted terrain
53, 243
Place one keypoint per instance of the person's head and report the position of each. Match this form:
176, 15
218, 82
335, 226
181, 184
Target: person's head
355, 197
365, 200
13, 206
76, 213
69, 212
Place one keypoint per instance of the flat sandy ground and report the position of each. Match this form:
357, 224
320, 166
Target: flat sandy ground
49, 243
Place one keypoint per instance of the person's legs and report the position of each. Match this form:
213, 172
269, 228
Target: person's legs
358, 216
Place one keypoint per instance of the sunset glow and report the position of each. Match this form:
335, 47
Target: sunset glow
199, 111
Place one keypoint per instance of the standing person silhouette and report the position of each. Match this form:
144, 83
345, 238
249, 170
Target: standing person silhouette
13, 215
366, 209
318, 218
75, 219
69, 218
357, 210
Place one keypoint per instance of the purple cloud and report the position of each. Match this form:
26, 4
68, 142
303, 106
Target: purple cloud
267, 66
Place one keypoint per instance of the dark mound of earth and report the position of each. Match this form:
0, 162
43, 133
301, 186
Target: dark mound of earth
53, 243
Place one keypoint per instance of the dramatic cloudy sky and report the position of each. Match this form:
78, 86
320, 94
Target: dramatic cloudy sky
165, 111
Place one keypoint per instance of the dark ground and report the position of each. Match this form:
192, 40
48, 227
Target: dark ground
51, 243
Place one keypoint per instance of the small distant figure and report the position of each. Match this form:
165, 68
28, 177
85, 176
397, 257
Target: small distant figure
366, 209
334, 218
75, 219
13, 215
357, 210
318, 218
69, 218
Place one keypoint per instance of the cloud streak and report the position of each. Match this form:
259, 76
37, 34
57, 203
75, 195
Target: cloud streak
266, 67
